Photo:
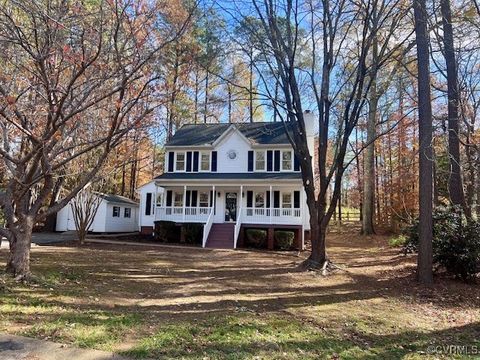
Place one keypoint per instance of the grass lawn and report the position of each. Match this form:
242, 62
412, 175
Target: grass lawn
191, 303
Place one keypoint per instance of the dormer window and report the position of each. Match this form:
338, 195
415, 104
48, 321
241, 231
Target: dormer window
260, 160
180, 161
286, 160
205, 162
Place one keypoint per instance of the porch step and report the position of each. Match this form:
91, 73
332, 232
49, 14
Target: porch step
221, 236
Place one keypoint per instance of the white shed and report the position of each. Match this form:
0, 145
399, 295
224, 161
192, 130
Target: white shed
115, 214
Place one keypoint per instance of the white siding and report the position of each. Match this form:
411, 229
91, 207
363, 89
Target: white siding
234, 141
147, 220
121, 223
63, 219
66, 221
103, 221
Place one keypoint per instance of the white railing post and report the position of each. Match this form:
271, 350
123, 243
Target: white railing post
271, 203
184, 201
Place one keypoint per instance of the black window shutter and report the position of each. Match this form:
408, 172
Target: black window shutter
269, 160
296, 199
277, 160
189, 161
171, 161
268, 199
250, 160
169, 197
249, 199
214, 161
194, 197
195, 161
187, 201
211, 198
148, 204
296, 163
276, 199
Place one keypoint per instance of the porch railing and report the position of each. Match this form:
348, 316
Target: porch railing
238, 226
176, 213
290, 216
207, 227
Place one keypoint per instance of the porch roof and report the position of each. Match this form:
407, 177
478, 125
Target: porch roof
229, 177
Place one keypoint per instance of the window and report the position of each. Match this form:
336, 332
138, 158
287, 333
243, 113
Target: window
180, 163
203, 199
178, 200
148, 204
127, 212
260, 200
116, 211
205, 162
286, 200
286, 160
260, 160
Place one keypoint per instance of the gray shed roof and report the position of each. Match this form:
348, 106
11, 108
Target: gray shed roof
231, 176
117, 199
262, 133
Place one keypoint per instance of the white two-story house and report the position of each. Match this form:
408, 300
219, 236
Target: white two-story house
230, 177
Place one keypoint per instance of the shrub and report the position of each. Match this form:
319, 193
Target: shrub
398, 241
167, 231
284, 239
256, 238
456, 242
193, 233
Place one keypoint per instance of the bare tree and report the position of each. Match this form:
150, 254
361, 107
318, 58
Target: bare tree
75, 79
424, 270
84, 208
321, 49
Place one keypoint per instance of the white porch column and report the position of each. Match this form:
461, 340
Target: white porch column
241, 196
184, 200
213, 200
271, 204
302, 215
155, 202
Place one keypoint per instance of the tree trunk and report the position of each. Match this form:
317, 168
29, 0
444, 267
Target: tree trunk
368, 203
18, 263
359, 177
424, 270
122, 188
197, 89
318, 255
250, 85
455, 185
81, 234
229, 89
205, 104
478, 186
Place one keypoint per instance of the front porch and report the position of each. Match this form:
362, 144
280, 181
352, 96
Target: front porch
252, 215
228, 204
253, 205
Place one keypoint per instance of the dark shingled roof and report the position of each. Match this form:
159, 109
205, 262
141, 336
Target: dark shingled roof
231, 176
117, 199
262, 133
